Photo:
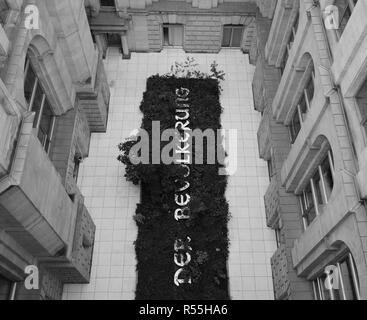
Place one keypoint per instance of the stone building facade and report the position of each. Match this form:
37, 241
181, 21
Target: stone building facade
148, 26
54, 93
310, 86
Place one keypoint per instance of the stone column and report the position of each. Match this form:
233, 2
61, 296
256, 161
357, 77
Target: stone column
101, 42
125, 46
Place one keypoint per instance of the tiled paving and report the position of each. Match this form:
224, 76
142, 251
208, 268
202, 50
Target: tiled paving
112, 201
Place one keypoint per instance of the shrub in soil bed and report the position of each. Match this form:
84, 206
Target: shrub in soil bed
157, 228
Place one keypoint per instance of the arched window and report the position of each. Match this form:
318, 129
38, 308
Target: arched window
37, 101
318, 190
305, 101
341, 283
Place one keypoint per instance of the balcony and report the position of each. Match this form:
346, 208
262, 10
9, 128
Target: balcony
258, 86
279, 267
263, 134
95, 102
285, 12
75, 267
271, 200
35, 208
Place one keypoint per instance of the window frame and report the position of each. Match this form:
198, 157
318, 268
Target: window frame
304, 205
298, 111
232, 27
166, 26
46, 143
318, 282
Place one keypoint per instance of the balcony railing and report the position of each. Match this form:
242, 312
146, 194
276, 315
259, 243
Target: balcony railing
279, 267
271, 200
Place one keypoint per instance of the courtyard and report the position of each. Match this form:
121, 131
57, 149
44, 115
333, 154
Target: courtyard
111, 200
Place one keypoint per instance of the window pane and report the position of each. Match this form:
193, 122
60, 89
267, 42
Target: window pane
328, 177
165, 36
310, 89
107, 3
318, 188
295, 126
45, 126
175, 35
4, 288
77, 160
317, 293
37, 104
309, 206
236, 37
346, 276
303, 107
227, 32
29, 84
114, 40
284, 61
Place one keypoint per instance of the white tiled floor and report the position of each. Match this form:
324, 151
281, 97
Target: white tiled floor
112, 201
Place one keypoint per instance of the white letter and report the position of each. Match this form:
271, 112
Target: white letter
182, 202
180, 214
31, 281
182, 93
32, 19
178, 281
179, 257
332, 277
331, 17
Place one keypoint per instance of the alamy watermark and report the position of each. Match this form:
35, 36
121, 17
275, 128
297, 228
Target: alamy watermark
332, 277
209, 146
331, 17
31, 282
31, 21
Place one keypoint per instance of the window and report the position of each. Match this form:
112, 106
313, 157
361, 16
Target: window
232, 36
35, 96
173, 34
346, 8
5, 288
107, 3
278, 236
77, 162
348, 287
317, 191
289, 44
113, 40
303, 106
270, 168
362, 104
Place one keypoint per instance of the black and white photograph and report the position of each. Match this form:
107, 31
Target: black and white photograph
183, 156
